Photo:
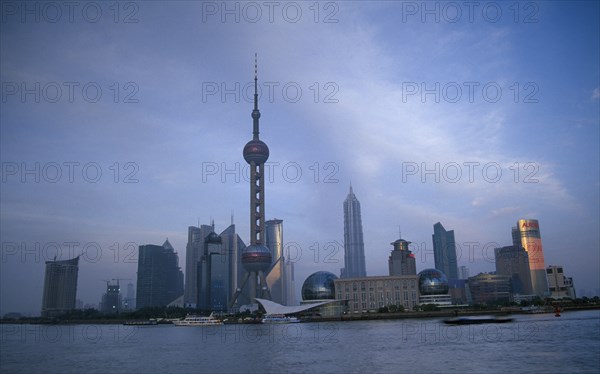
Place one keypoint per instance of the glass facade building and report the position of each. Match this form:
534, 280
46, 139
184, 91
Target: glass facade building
444, 251
159, 278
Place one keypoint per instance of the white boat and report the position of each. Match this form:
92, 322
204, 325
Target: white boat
279, 318
193, 320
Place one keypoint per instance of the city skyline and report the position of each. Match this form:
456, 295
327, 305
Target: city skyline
363, 117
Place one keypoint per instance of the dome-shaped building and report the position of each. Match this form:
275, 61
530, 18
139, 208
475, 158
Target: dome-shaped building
319, 286
433, 287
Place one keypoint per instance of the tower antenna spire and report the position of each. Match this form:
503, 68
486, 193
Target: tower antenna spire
255, 112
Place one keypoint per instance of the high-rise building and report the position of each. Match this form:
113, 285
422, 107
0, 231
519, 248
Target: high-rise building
231, 245
129, 302
514, 262
290, 284
354, 246
111, 301
527, 234
159, 278
256, 258
213, 275
402, 260
559, 285
276, 275
60, 287
194, 251
444, 251
463, 272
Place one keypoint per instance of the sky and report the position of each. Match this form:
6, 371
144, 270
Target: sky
123, 123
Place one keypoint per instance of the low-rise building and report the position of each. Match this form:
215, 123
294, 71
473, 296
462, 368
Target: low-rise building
371, 293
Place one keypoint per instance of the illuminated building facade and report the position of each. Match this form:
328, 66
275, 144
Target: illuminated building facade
527, 235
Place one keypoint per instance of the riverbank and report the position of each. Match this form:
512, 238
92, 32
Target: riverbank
346, 317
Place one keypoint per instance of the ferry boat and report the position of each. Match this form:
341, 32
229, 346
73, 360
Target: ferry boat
279, 318
192, 320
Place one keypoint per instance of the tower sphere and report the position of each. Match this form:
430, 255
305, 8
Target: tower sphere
257, 151
256, 258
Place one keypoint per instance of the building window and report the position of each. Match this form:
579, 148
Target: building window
549, 271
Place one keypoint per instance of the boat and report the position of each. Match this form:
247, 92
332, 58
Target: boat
476, 321
279, 318
194, 320
150, 322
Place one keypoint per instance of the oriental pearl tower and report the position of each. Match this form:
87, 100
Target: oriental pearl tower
256, 258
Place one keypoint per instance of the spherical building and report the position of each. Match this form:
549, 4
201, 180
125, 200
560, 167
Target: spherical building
433, 282
319, 286
256, 258
433, 288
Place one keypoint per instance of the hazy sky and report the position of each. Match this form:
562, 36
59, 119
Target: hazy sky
124, 124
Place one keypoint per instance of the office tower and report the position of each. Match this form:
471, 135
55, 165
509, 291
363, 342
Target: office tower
444, 251
559, 285
290, 284
60, 287
231, 245
463, 272
528, 231
213, 273
514, 262
402, 260
130, 297
489, 288
159, 278
276, 275
354, 246
194, 250
256, 258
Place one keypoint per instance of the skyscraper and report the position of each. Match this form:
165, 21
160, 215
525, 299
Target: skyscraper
290, 284
159, 278
276, 275
401, 260
354, 246
514, 262
111, 301
527, 233
60, 287
256, 258
231, 245
444, 251
194, 251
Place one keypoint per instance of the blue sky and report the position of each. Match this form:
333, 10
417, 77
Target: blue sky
369, 123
